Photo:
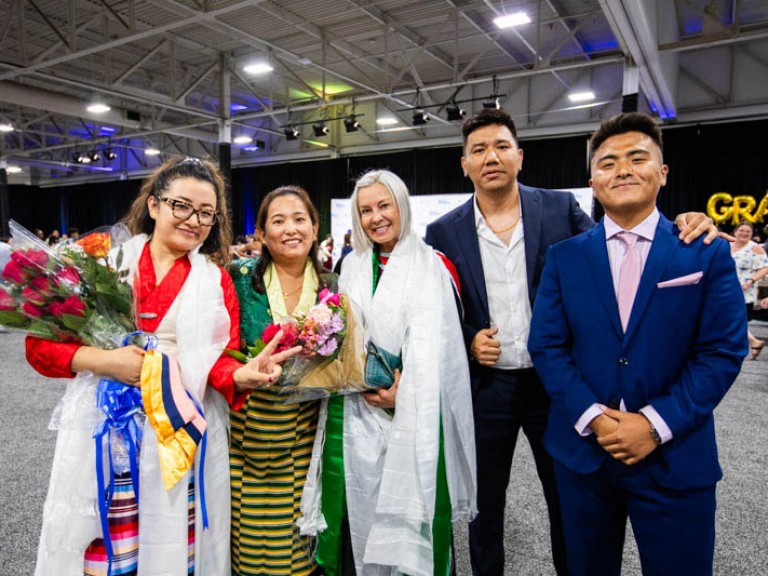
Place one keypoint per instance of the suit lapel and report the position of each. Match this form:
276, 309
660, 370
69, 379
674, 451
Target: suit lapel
530, 204
470, 250
599, 266
664, 245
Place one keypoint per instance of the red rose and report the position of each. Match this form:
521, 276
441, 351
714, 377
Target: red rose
43, 285
30, 259
290, 335
15, 274
72, 306
269, 333
33, 296
7, 302
67, 277
32, 310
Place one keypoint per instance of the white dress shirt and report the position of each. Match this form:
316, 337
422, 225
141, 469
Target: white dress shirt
507, 287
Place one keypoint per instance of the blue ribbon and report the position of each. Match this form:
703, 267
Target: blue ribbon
201, 471
120, 403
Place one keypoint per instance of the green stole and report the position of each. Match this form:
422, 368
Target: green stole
334, 499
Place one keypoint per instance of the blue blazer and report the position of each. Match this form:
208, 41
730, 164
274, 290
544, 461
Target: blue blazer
682, 350
548, 217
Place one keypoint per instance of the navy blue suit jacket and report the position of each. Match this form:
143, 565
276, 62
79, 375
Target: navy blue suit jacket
548, 216
682, 349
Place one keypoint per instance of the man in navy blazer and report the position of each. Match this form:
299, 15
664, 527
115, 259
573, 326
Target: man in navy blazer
631, 428
499, 262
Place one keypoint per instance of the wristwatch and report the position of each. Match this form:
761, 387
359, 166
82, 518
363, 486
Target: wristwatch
655, 434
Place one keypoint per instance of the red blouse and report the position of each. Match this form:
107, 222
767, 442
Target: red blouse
54, 359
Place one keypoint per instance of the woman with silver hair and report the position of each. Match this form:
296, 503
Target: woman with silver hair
393, 467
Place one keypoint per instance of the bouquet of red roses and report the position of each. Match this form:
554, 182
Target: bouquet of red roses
329, 361
69, 293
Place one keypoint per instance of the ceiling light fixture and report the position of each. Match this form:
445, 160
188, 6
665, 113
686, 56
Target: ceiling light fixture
510, 20
454, 112
256, 145
291, 133
10, 169
386, 121
584, 96
320, 129
420, 118
492, 103
242, 139
6, 127
94, 156
152, 152
98, 107
110, 154
257, 68
351, 124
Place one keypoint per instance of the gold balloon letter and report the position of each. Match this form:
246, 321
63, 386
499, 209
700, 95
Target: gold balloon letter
719, 213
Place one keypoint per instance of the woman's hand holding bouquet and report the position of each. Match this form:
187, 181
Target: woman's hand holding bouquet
265, 368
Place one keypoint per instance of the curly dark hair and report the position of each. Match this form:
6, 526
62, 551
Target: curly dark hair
138, 220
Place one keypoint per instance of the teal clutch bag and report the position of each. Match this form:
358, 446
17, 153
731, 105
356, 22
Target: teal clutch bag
380, 366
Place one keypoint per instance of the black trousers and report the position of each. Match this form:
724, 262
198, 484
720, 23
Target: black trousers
505, 402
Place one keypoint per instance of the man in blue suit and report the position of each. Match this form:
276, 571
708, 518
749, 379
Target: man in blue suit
497, 242
637, 337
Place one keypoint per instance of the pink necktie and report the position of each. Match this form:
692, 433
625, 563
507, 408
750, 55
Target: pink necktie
629, 276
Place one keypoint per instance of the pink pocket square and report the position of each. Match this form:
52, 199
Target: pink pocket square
687, 280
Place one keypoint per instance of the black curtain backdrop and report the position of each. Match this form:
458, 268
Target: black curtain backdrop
703, 160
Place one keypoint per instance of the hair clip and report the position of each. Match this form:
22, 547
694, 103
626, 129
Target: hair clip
191, 160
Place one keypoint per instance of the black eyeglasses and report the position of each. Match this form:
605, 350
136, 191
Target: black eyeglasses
184, 211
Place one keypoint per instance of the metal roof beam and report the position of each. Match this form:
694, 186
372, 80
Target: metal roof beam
196, 18
632, 24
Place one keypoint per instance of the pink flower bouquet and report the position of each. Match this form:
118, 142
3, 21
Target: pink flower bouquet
330, 361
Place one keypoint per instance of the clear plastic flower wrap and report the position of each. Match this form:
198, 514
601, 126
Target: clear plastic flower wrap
332, 360
70, 292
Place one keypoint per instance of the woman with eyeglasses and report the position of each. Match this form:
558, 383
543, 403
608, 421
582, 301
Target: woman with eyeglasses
272, 441
185, 299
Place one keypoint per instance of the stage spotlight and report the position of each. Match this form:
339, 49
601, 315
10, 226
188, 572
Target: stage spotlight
351, 124
492, 103
455, 113
94, 156
291, 133
110, 154
77, 158
420, 118
320, 129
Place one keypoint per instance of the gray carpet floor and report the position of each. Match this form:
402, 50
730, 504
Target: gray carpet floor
26, 451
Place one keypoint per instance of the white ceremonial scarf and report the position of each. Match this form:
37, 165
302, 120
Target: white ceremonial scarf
70, 515
390, 463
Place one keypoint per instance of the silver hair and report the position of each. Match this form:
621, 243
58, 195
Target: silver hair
399, 192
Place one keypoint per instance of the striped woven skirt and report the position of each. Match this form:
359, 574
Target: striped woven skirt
271, 447
123, 519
